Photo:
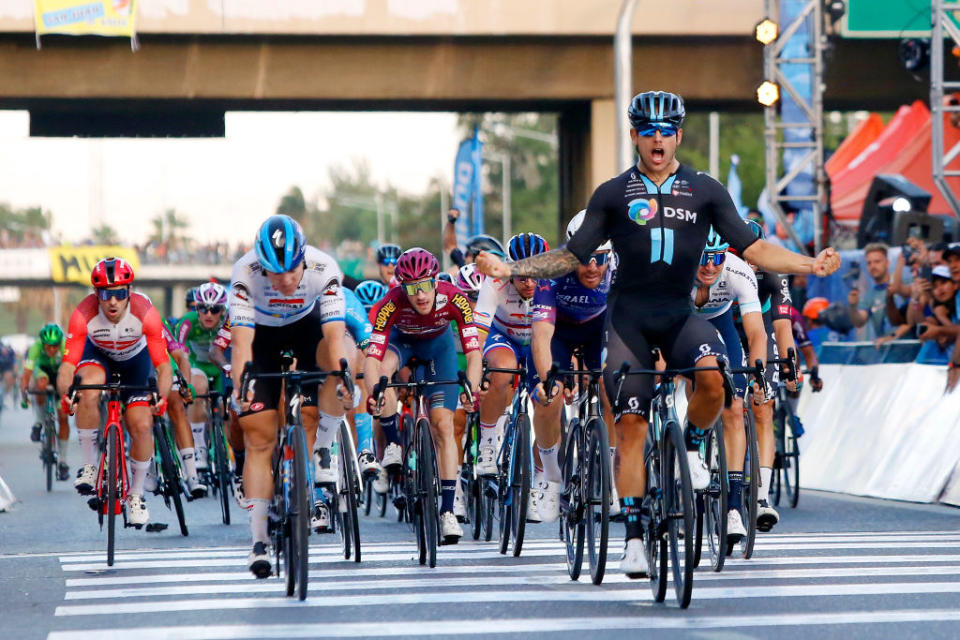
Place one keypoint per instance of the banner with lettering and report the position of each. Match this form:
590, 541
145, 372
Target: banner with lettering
85, 18
467, 188
74, 264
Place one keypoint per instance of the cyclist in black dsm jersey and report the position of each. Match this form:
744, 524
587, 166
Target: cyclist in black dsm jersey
657, 214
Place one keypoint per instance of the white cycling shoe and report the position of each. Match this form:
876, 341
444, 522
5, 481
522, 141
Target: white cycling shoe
767, 516
326, 467
320, 520
259, 560
368, 464
735, 529
450, 529
634, 560
196, 488
487, 460
137, 512
699, 474
382, 483
533, 508
392, 457
459, 508
548, 501
614, 500
86, 479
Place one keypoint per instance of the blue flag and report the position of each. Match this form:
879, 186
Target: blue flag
734, 188
467, 191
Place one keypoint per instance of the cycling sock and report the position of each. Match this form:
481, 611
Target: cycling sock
551, 464
693, 436
139, 475
199, 430
188, 456
88, 445
258, 519
630, 508
488, 433
735, 496
389, 427
239, 457
327, 428
766, 473
64, 445
364, 424
448, 490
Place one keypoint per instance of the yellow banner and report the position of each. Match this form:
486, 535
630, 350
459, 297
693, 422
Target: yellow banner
86, 17
74, 264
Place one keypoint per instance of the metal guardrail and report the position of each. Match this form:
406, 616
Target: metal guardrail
863, 353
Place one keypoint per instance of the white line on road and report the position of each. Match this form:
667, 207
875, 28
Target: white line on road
550, 595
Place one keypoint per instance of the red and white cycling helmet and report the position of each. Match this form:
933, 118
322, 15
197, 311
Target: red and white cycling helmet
111, 272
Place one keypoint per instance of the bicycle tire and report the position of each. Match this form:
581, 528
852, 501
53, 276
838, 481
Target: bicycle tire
281, 531
348, 457
520, 484
678, 499
222, 467
778, 462
367, 496
47, 453
571, 504
655, 538
168, 469
504, 495
716, 501
111, 494
300, 514
382, 501
791, 462
473, 492
428, 491
597, 498
751, 484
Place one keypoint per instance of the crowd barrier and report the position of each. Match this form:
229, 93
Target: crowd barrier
882, 427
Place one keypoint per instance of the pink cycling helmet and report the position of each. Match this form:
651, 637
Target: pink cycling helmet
416, 264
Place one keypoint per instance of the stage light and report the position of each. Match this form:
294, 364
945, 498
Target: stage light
768, 93
767, 31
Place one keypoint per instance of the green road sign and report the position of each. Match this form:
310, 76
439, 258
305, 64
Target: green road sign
888, 19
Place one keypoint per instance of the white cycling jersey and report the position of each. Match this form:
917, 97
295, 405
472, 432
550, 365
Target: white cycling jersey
500, 306
253, 301
736, 282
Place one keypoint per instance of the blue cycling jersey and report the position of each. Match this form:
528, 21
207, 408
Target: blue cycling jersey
566, 301
358, 324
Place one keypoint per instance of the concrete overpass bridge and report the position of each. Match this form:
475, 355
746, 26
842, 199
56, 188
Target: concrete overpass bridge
199, 58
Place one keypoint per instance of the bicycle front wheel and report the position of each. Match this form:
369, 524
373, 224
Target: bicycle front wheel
715, 498
222, 468
168, 469
520, 481
49, 460
113, 449
571, 503
678, 500
751, 487
299, 511
349, 490
597, 497
791, 461
427, 491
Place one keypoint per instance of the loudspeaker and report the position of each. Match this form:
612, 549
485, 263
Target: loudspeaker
883, 202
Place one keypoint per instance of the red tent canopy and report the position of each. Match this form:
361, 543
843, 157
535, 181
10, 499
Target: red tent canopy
904, 147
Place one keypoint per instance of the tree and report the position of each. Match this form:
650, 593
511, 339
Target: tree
24, 224
293, 204
105, 234
168, 227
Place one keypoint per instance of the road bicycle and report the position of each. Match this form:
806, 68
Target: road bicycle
49, 447
289, 522
480, 502
219, 474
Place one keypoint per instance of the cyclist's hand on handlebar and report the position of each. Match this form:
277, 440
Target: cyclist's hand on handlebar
24, 401
375, 405
540, 395
160, 407
345, 396
238, 405
66, 404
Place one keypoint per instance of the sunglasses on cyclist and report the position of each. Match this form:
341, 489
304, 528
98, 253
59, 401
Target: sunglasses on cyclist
666, 129
601, 258
413, 288
389, 262
119, 294
716, 258
209, 308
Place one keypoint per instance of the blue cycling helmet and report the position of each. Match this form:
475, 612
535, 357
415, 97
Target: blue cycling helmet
280, 244
525, 245
483, 242
370, 292
656, 106
388, 253
756, 228
715, 243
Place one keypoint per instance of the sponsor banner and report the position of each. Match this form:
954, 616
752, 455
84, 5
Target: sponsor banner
467, 192
74, 264
85, 17
24, 264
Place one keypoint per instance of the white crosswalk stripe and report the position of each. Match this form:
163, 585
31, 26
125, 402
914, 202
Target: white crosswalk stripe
165, 592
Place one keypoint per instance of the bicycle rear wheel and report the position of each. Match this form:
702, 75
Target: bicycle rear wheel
715, 498
350, 489
597, 497
520, 482
299, 513
427, 491
571, 503
791, 461
168, 469
678, 503
222, 468
751, 483
778, 462
111, 492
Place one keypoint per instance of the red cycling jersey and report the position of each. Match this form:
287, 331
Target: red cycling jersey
140, 327
395, 311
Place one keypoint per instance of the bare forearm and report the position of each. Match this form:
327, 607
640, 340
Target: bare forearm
777, 259
449, 237
810, 356
552, 264
540, 345
784, 333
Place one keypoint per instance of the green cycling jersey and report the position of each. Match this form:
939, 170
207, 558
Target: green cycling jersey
40, 363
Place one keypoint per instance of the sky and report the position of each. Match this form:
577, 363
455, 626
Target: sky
225, 186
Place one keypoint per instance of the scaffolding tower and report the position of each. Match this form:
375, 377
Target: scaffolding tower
773, 60
938, 85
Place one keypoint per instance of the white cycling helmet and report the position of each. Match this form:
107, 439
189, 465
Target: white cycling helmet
211, 294
574, 225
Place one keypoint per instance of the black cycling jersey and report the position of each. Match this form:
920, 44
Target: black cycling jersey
658, 234
774, 292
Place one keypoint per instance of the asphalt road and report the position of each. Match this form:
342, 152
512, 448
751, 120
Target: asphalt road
836, 567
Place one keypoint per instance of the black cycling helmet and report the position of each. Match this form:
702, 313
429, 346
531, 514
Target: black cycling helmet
388, 253
483, 242
656, 106
190, 297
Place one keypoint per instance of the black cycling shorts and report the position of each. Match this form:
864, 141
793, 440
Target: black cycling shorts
772, 373
269, 343
682, 338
